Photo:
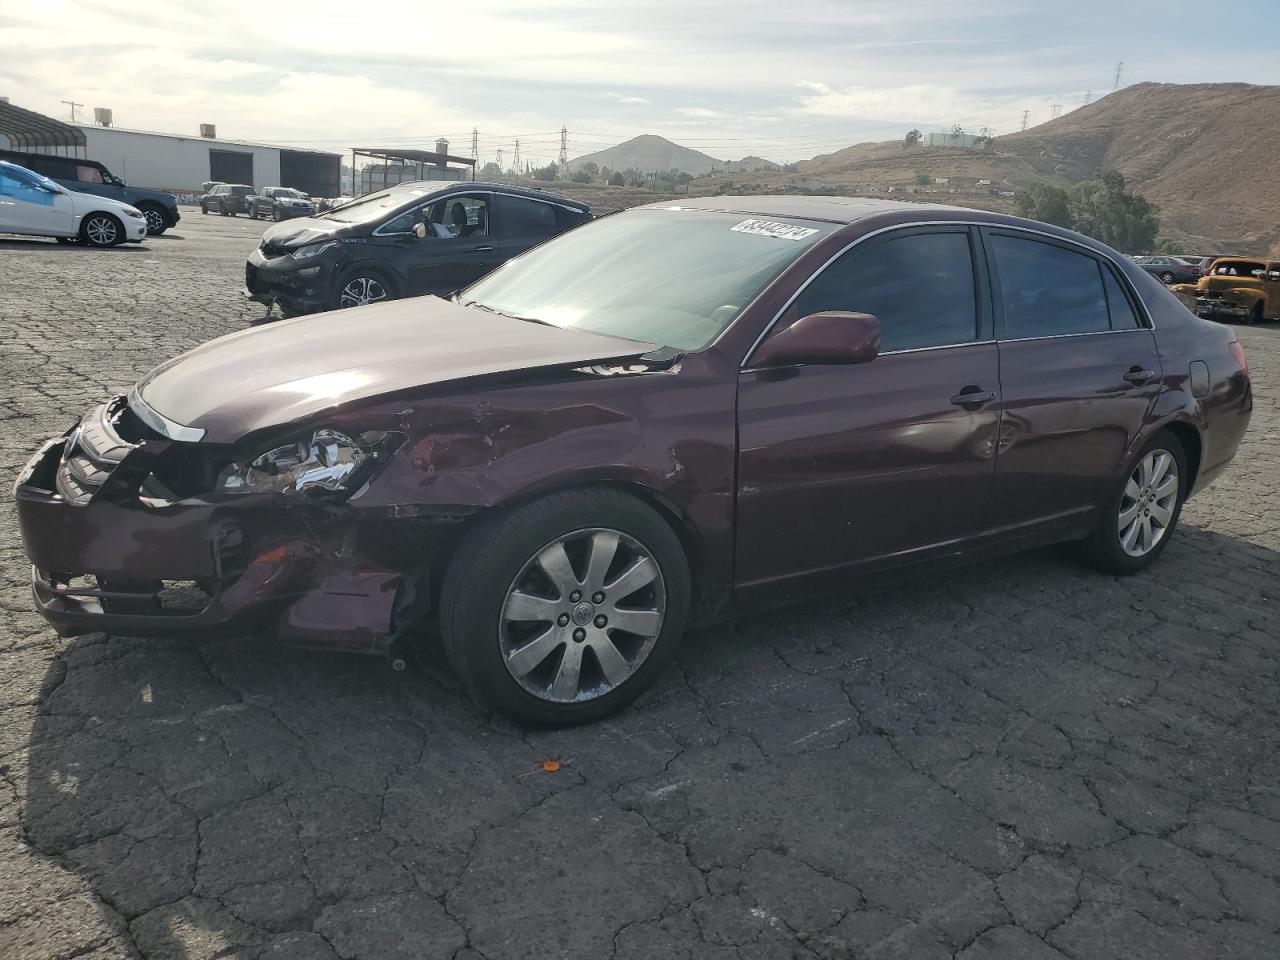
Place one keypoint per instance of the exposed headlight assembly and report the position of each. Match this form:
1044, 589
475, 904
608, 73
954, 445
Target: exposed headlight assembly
327, 462
312, 250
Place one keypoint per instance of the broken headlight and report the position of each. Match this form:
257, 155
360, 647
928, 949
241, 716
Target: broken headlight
325, 462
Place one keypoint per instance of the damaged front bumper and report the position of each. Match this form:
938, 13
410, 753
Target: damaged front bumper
109, 555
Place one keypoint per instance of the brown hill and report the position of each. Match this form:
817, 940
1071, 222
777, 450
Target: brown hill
1207, 154
648, 153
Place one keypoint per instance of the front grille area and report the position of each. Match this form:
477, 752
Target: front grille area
93, 452
94, 594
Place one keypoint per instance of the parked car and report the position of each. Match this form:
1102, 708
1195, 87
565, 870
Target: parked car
90, 176
1169, 269
411, 239
675, 414
208, 185
36, 206
227, 199
279, 203
1237, 288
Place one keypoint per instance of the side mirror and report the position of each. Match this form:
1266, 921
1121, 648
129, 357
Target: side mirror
822, 338
420, 231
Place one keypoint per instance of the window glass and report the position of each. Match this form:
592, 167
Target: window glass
920, 286
526, 218
670, 277
86, 174
1122, 315
461, 216
1048, 290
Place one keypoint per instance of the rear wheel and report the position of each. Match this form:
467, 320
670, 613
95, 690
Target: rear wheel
253, 212
1136, 525
564, 610
101, 230
1166, 278
1256, 314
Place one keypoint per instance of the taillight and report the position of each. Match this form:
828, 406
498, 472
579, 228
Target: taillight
1237, 351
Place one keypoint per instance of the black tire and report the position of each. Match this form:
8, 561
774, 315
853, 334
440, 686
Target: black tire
67, 239
1256, 314
157, 223
391, 290
101, 230
1103, 548
275, 215
222, 211
253, 212
1167, 278
204, 209
494, 553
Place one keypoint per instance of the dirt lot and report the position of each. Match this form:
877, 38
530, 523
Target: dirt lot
1024, 760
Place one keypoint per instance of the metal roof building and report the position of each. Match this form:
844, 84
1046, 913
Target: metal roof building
173, 162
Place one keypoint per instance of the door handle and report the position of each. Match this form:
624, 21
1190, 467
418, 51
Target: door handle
972, 397
485, 249
1138, 376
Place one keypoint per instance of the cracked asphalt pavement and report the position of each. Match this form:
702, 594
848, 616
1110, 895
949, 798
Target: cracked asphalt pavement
1024, 759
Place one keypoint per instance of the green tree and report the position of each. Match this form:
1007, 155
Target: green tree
1104, 208
581, 176
922, 179
548, 172
912, 138
591, 169
1045, 203
1170, 246
616, 179
490, 171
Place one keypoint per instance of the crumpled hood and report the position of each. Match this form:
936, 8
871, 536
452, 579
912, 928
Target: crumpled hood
301, 231
296, 368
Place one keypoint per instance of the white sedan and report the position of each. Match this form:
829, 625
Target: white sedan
36, 206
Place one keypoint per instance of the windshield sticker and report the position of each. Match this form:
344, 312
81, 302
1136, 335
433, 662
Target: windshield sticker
772, 228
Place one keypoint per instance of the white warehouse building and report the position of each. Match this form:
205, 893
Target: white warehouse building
181, 164
165, 161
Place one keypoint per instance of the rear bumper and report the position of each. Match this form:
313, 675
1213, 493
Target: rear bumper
1212, 307
119, 562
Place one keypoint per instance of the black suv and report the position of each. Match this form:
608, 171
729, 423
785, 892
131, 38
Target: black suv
227, 199
279, 203
410, 239
90, 176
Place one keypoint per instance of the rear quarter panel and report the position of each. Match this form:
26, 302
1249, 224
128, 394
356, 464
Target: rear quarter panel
1220, 413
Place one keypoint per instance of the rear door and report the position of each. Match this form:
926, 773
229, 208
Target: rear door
522, 223
1079, 372
883, 461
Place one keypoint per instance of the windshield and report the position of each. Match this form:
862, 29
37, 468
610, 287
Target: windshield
1238, 268
671, 277
288, 192
375, 206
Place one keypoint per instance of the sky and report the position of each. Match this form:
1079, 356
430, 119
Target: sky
783, 80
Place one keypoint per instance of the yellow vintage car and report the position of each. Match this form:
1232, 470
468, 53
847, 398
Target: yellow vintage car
1238, 288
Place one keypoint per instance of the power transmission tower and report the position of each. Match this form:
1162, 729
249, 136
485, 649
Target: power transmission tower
475, 144
1119, 73
72, 104
564, 147
1088, 97
515, 159
1056, 111
1026, 118
498, 160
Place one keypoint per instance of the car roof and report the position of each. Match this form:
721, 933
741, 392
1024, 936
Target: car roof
831, 209
533, 193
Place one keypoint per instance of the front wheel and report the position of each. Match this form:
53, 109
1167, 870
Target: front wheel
156, 223
253, 212
565, 609
363, 288
101, 230
1136, 525
1166, 278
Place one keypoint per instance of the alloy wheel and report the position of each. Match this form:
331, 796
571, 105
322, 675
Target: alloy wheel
101, 231
360, 291
1148, 502
155, 221
582, 615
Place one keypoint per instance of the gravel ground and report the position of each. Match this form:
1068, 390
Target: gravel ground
1022, 760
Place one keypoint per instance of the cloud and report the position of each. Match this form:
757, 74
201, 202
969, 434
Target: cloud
630, 101
701, 113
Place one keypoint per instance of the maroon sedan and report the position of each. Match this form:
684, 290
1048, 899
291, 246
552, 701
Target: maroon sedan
663, 417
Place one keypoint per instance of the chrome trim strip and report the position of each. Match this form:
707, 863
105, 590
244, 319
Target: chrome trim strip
953, 223
160, 423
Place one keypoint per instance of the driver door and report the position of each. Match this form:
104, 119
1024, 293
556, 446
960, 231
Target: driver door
458, 245
887, 461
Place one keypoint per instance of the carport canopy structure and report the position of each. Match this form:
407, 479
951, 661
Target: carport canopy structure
405, 155
34, 132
